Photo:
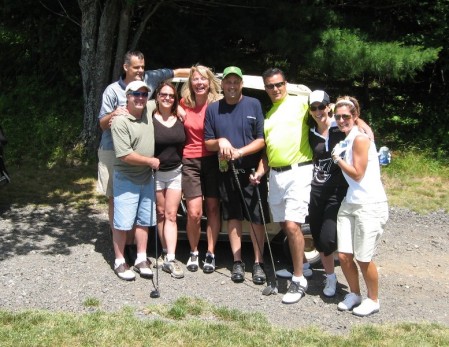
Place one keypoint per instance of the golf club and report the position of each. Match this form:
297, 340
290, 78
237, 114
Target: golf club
236, 177
272, 288
155, 293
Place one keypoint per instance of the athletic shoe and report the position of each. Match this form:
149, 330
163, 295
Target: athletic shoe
209, 264
294, 293
238, 272
144, 269
160, 261
124, 273
192, 263
351, 300
306, 270
259, 276
366, 308
330, 286
173, 268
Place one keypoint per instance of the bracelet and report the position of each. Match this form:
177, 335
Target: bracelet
240, 152
337, 159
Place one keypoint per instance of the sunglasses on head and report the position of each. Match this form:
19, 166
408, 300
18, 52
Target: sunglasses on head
167, 95
277, 85
344, 116
139, 94
320, 107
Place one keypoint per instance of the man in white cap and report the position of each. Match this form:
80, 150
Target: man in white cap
113, 104
133, 183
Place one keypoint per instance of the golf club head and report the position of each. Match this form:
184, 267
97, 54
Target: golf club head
269, 290
154, 294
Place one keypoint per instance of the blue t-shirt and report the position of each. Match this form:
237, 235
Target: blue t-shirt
241, 124
114, 96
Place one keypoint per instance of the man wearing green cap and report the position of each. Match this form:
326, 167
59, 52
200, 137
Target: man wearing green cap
234, 128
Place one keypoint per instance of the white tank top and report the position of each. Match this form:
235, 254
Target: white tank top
370, 188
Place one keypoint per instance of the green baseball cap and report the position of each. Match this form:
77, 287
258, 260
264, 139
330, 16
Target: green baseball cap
232, 69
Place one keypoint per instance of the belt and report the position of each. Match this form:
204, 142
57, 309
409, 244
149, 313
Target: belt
289, 167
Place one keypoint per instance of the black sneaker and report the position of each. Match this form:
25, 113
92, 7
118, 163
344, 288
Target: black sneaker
192, 263
238, 272
209, 264
259, 276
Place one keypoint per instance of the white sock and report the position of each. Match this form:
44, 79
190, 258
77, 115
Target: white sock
170, 256
118, 262
211, 254
302, 280
332, 275
141, 257
194, 252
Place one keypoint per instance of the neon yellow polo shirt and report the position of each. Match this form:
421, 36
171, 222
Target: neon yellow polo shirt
287, 133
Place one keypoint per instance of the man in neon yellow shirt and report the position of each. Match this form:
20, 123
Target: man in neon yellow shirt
289, 156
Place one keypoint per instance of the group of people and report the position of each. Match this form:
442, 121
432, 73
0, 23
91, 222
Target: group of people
216, 148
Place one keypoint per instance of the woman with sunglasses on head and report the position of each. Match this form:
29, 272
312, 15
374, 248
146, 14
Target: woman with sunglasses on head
169, 140
363, 212
328, 186
200, 166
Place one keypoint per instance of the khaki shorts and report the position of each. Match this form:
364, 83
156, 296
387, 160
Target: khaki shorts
106, 161
359, 228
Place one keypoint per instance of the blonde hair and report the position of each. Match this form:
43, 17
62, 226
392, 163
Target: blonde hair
351, 102
187, 92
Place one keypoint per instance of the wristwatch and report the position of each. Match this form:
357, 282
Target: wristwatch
240, 152
337, 159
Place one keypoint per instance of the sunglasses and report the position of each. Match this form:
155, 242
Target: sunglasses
344, 116
167, 95
139, 94
277, 85
320, 107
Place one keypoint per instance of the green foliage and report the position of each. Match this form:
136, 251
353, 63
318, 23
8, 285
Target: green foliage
347, 54
41, 124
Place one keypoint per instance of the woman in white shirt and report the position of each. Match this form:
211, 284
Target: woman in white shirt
363, 212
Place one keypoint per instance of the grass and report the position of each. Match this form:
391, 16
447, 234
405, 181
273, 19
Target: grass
200, 324
415, 181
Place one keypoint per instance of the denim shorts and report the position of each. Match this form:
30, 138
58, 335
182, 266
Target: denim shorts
133, 203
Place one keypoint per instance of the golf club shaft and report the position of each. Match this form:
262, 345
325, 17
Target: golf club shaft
265, 228
236, 177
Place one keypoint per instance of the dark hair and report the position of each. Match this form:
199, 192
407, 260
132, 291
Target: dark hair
130, 54
174, 108
271, 72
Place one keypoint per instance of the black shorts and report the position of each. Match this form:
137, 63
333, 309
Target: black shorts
232, 204
200, 177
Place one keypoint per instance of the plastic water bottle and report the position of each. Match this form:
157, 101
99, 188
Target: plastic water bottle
384, 156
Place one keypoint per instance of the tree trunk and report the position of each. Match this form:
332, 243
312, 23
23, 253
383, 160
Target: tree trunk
97, 40
122, 40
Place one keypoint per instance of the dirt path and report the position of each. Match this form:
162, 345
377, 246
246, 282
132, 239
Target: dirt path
53, 258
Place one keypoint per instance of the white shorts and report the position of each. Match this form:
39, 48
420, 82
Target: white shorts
106, 161
169, 179
359, 228
289, 193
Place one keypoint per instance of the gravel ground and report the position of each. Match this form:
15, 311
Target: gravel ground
54, 259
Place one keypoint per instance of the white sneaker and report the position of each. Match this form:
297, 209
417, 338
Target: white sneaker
366, 308
351, 300
123, 272
330, 285
294, 293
